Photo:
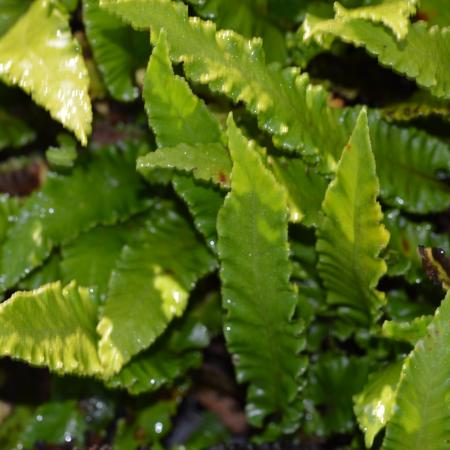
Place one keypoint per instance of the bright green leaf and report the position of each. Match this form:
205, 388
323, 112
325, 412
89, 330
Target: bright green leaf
375, 404
48, 65
161, 270
259, 300
392, 13
421, 419
209, 162
352, 236
423, 55
410, 331
53, 327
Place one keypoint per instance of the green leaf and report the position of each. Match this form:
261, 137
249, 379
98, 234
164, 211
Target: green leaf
421, 419
118, 50
105, 191
257, 295
48, 65
248, 18
351, 236
407, 163
236, 67
91, 264
13, 425
394, 14
9, 209
209, 162
406, 236
170, 357
49, 272
305, 189
10, 11
53, 327
420, 105
151, 424
435, 12
177, 116
161, 270
174, 113
410, 331
333, 380
204, 203
422, 55
63, 156
375, 404
54, 423
300, 118
13, 131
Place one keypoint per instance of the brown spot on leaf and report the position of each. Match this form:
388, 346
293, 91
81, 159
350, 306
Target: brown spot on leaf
405, 245
223, 178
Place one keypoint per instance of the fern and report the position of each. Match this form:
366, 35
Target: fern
409, 57
162, 272
422, 417
253, 253
56, 60
348, 253
106, 191
54, 327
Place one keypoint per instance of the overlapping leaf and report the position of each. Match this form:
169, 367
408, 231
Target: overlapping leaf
305, 188
435, 12
10, 11
105, 191
90, 259
406, 236
248, 18
410, 331
209, 162
392, 13
48, 65
288, 106
162, 270
260, 302
375, 404
352, 235
53, 327
421, 419
423, 54
118, 50
177, 116
13, 131
171, 356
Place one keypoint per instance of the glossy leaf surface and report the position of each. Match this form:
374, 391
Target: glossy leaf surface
118, 50
53, 327
352, 235
257, 295
422, 56
105, 191
375, 404
162, 271
421, 419
58, 80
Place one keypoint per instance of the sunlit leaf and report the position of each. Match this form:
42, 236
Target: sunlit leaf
375, 404
161, 270
53, 327
352, 235
48, 65
410, 331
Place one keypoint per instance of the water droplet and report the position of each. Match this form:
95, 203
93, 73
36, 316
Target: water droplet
159, 427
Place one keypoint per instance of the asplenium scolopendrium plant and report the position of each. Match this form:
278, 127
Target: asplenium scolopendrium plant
273, 212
